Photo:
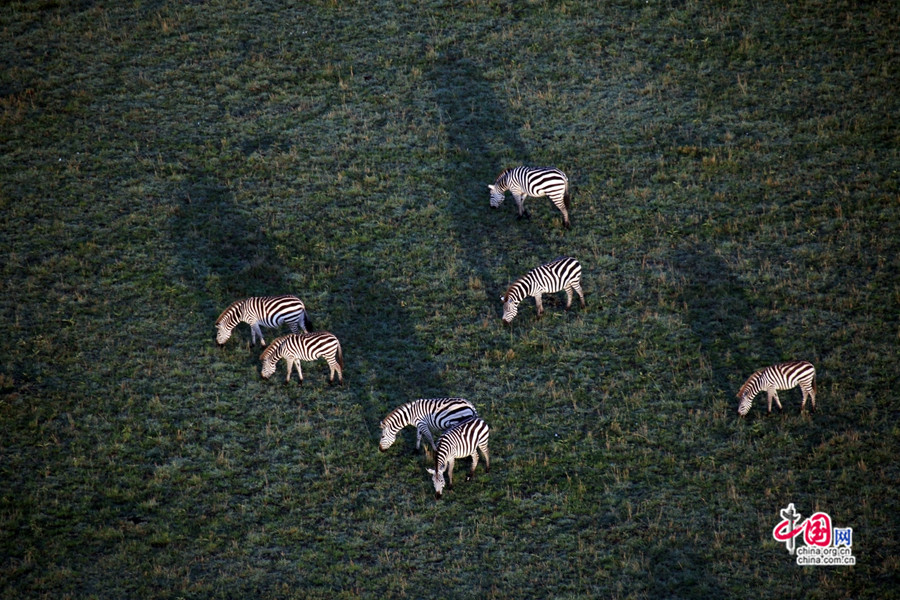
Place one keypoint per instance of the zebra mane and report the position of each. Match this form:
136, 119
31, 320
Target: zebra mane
750, 380
510, 289
272, 348
232, 307
396, 410
502, 174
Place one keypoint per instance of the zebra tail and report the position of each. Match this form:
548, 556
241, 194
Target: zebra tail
567, 198
307, 322
340, 356
814, 384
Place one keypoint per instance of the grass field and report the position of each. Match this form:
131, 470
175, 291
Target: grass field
735, 169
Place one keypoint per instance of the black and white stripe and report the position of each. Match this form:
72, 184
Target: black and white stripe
460, 441
534, 182
305, 346
562, 274
426, 415
783, 376
268, 311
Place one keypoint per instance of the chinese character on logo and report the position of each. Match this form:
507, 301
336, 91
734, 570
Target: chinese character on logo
843, 537
790, 517
818, 530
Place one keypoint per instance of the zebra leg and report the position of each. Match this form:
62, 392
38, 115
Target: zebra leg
335, 368
769, 394
565, 215
450, 473
777, 401
332, 369
577, 287
422, 432
299, 371
568, 298
290, 366
539, 305
257, 332
807, 392
487, 458
520, 202
471, 473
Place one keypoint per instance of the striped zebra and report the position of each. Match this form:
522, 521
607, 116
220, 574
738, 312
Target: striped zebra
426, 415
305, 346
534, 182
270, 311
464, 439
783, 376
562, 274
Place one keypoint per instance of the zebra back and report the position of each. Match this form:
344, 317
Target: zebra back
554, 276
272, 311
310, 346
461, 440
441, 413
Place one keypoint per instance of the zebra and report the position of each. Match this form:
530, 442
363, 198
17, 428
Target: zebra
562, 274
270, 311
305, 346
783, 376
426, 415
534, 182
464, 439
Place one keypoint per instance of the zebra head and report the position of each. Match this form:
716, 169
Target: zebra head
745, 403
223, 332
268, 367
227, 321
510, 308
437, 478
388, 436
269, 358
496, 196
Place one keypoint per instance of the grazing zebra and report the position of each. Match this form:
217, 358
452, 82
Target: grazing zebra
463, 440
305, 346
782, 376
562, 274
426, 415
534, 182
271, 311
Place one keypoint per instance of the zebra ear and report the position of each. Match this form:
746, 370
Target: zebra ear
430, 471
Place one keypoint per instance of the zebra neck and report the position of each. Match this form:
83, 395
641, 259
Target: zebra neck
518, 291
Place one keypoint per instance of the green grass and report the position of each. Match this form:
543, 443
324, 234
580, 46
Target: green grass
735, 203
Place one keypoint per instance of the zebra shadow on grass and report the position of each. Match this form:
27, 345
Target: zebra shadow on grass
482, 140
385, 361
724, 319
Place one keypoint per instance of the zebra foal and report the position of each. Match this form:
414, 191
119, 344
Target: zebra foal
534, 182
783, 376
465, 439
426, 415
562, 274
305, 346
268, 311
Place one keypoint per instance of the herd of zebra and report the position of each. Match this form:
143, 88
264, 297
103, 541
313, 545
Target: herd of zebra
462, 433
